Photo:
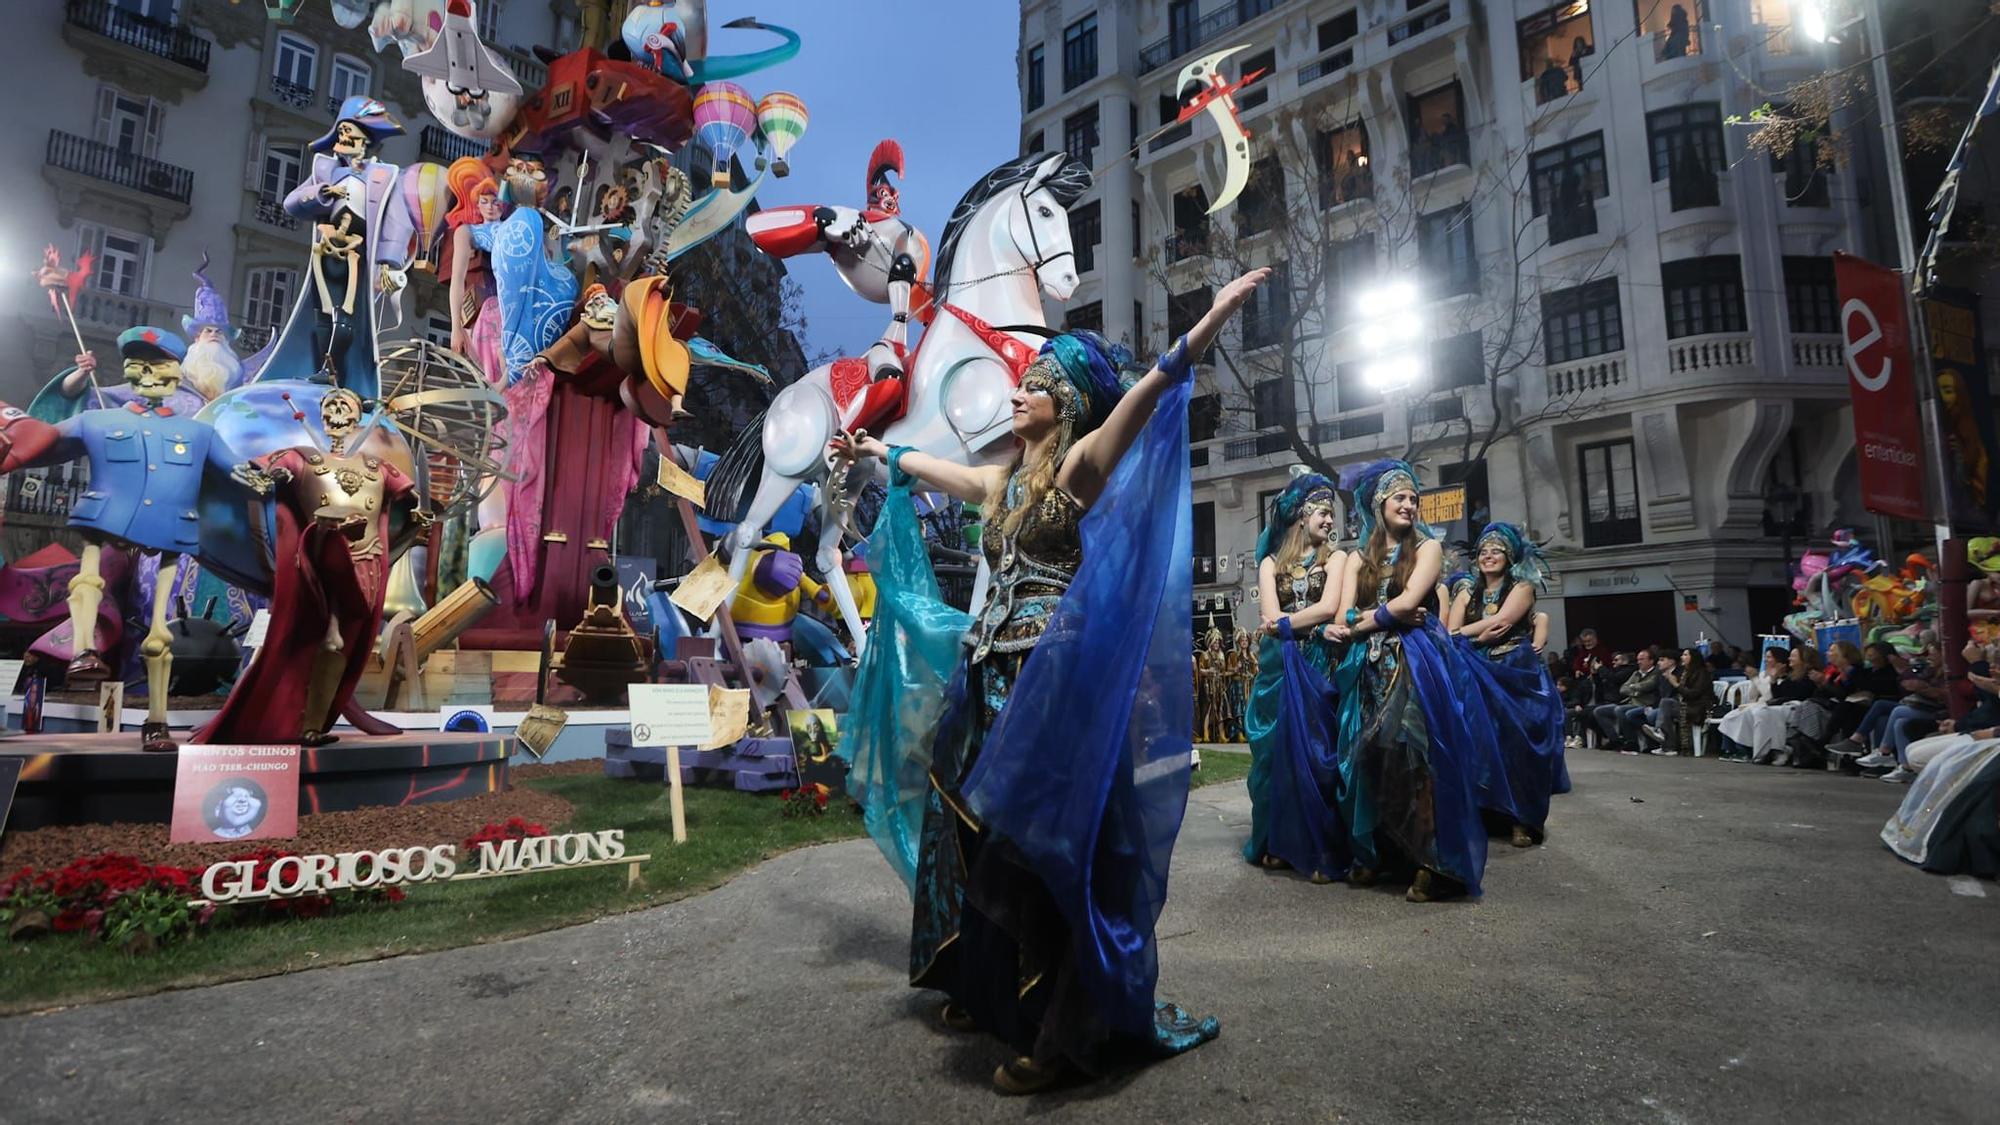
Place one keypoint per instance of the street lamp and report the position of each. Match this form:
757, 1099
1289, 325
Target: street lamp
1389, 321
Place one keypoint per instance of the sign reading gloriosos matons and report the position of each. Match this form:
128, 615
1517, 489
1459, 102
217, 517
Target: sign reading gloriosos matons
294, 876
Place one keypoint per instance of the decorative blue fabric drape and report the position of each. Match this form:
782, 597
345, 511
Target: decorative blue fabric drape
1453, 740
1085, 774
899, 687
1304, 827
1527, 719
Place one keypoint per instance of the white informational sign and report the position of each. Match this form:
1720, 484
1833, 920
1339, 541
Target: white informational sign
670, 715
260, 624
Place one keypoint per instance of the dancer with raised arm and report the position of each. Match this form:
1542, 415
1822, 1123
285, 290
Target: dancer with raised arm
1059, 769
1290, 718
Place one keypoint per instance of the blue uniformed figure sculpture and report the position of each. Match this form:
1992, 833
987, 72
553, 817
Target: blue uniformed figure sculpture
149, 464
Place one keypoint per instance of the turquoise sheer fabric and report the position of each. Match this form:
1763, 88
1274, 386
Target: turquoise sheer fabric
899, 687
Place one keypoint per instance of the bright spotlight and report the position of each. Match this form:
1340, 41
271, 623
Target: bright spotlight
1391, 374
1813, 23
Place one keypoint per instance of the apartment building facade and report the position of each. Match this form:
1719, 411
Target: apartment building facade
1629, 309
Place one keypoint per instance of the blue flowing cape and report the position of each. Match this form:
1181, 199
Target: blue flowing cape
1085, 774
899, 686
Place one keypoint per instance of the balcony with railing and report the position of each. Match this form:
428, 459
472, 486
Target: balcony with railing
532, 71
1692, 355
1435, 152
103, 312
1266, 443
148, 38
1586, 376
1171, 137
1436, 411
1185, 39
448, 146
271, 212
1425, 21
1327, 65
293, 94
1349, 428
252, 337
1185, 244
1817, 353
95, 160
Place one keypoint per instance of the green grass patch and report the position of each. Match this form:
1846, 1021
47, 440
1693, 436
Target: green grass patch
728, 832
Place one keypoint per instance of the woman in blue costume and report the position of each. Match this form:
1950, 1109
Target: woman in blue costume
1290, 718
1059, 770
1493, 621
1411, 772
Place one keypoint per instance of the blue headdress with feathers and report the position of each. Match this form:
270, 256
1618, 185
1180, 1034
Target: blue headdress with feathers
1525, 561
1376, 481
1310, 490
1098, 371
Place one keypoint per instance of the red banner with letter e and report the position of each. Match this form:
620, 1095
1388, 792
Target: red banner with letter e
1875, 340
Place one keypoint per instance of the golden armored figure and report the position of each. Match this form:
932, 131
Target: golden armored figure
1212, 690
333, 556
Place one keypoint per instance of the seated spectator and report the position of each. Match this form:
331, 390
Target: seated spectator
1915, 715
1576, 709
1638, 701
1604, 684
1803, 672
1695, 687
1978, 725
1757, 723
1665, 716
1586, 658
1872, 691
1722, 666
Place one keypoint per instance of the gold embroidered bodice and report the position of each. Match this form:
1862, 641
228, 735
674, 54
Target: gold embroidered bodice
1304, 585
1032, 569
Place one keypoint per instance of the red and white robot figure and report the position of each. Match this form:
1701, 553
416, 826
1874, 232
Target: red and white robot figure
881, 257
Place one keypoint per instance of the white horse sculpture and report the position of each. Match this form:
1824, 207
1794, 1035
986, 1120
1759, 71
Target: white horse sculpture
1007, 243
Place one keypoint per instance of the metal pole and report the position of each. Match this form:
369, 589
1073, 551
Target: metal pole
1952, 623
1906, 260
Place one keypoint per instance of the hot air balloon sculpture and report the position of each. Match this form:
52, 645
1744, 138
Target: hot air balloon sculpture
724, 115
782, 117
427, 192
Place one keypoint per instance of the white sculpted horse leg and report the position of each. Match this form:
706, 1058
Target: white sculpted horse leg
836, 506
772, 492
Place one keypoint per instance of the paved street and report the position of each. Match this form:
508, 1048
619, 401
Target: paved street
1699, 942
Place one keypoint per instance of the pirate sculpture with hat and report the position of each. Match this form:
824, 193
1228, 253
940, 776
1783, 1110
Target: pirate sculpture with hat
149, 465
361, 240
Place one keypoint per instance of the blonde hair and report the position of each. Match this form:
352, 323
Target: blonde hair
1297, 547
1039, 478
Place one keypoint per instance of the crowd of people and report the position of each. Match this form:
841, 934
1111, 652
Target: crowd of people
1871, 710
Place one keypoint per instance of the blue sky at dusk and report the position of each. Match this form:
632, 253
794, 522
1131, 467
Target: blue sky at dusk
937, 75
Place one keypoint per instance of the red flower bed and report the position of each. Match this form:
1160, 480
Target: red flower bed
132, 904
516, 828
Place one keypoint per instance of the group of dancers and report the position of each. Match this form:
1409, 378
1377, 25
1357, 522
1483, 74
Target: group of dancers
1026, 771
1397, 716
